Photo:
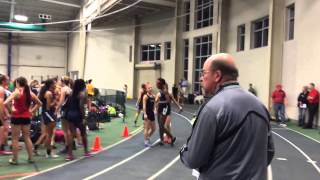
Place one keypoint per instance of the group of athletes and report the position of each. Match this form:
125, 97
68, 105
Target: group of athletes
156, 105
55, 99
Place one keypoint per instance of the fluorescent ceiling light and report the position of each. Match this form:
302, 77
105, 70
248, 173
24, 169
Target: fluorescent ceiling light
152, 45
21, 18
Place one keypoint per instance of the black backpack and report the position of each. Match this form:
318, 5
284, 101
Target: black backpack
92, 121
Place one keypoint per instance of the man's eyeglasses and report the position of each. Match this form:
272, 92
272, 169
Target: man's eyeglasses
204, 72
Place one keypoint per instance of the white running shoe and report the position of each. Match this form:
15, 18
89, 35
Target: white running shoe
282, 125
51, 156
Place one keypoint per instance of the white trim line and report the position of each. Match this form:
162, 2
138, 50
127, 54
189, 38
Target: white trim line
304, 135
164, 168
119, 163
313, 163
135, 132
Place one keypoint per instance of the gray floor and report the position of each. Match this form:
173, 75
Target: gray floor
292, 165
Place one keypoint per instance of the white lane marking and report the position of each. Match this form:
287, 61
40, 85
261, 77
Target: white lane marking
157, 174
304, 135
282, 159
193, 114
164, 168
119, 163
303, 153
270, 175
194, 172
133, 133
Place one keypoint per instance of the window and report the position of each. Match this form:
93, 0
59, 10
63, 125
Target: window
186, 59
203, 13
167, 51
241, 37
150, 52
290, 22
186, 19
260, 31
203, 49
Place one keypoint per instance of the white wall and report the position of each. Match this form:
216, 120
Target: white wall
73, 53
35, 55
253, 64
107, 59
159, 33
301, 55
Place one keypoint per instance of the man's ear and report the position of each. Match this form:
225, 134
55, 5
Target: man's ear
217, 76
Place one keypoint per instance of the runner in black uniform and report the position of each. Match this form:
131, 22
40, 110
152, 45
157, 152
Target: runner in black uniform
170, 98
148, 114
48, 113
139, 103
163, 110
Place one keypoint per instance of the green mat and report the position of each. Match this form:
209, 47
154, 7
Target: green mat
109, 134
313, 133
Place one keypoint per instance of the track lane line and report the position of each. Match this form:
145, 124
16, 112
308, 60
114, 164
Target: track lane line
313, 163
133, 133
157, 174
120, 163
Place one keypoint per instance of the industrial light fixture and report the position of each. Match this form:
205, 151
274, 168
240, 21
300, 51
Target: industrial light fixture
21, 18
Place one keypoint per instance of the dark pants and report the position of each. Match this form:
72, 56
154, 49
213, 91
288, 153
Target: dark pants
302, 115
312, 109
279, 111
162, 129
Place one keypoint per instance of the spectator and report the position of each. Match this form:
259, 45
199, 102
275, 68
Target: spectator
231, 136
313, 105
184, 87
278, 97
175, 92
252, 90
302, 105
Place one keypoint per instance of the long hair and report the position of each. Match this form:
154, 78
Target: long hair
161, 83
26, 90
78, 86
2, 78
47, 84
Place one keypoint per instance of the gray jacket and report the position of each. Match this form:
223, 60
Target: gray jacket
231, 138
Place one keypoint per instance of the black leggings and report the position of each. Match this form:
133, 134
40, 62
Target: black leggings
162, 129
73, 130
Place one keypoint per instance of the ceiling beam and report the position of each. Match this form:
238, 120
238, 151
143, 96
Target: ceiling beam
161, 2
8, 2
62, 3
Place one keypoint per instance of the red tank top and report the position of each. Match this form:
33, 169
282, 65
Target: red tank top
20, 109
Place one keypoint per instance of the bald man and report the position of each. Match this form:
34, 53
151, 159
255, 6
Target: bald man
231, 136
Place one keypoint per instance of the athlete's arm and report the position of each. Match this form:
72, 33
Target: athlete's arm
156, 103
36, 100
139, 98
175, 102
145, 107
49, 99
61, 99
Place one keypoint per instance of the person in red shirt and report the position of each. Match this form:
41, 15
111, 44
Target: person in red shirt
278, 96
22, 110
313, 104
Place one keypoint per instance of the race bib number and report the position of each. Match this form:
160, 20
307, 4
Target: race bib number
165, 110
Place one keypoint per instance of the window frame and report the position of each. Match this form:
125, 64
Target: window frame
264, 30
167, 50
290, 18
185, 58
199, 59
151, 51
201, 9
241, 36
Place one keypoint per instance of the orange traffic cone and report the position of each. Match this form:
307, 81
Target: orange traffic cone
125, 131
96, 146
